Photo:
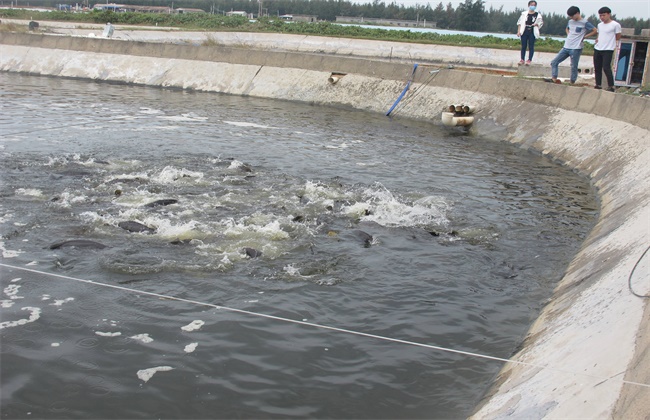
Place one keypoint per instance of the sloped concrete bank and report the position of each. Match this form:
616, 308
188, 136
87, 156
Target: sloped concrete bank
587, 355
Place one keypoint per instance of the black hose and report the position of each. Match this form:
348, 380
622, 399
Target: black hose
629, 279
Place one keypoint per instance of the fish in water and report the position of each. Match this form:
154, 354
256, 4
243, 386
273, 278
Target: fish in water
180, 241
366, 238
78, 243
76, 172
252, 252
124, 180
132, 226
163, 202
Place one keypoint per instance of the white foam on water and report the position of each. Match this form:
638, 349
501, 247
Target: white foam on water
225, 263
236, 164
247, 124
6, 303
273, 231
369, 164
183, 117
142, 337
63, 160
150, 128
381, 206
291, 270
167, 229
233, 179
193, 326
146, 374
35, 314
59, 105
128, 117
12, 291
8, 253
331, 281
15, 280
226, 253
94, 217
170, 174
91, 161
51, 161
250, 230
66, 199
62, 301
294, 271
108, 334
149, 111
126, 177
135, 200
356, 210
190, 347
89, 127
31, 192
316, 191
338, 147
133, 213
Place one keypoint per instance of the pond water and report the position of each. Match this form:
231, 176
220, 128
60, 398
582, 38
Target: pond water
327, 216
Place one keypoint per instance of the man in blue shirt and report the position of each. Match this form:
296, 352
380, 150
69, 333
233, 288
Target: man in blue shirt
577, 30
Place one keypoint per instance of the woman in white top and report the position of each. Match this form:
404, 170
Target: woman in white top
528, 27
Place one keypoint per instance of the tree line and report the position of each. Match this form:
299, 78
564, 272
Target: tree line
471, 15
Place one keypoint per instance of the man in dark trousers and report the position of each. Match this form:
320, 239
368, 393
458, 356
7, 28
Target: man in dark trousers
609, 33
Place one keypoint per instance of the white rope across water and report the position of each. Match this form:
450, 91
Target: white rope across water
325, 327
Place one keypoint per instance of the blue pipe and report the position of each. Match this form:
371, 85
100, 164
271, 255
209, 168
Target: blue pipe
406, 88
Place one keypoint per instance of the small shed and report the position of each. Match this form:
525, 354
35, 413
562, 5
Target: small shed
632, 59
305, 18
189, 10
240, 13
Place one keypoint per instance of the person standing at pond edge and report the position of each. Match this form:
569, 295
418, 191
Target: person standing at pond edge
578, 28
609, 34
528, 26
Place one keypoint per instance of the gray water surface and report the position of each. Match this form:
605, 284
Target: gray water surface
388, 227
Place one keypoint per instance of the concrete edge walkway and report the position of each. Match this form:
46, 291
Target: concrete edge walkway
406, 52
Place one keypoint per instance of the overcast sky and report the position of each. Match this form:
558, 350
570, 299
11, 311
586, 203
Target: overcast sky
622, 8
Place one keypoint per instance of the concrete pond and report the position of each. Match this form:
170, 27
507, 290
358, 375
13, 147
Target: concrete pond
587, 355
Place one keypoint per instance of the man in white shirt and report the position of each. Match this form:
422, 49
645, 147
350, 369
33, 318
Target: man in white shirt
609, 33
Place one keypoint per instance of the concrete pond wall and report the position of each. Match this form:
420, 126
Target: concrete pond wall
588, 353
